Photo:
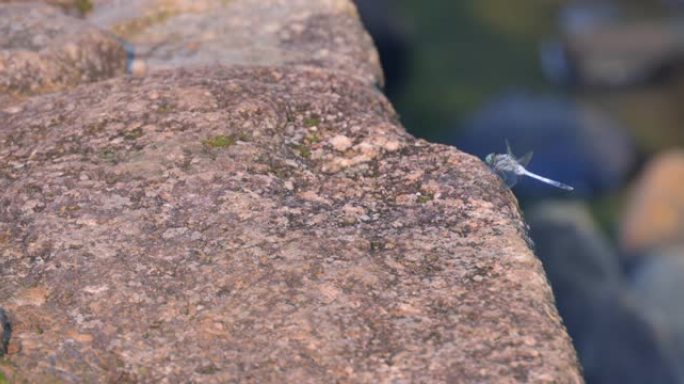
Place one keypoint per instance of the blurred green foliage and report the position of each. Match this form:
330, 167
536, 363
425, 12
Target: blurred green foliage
464, 52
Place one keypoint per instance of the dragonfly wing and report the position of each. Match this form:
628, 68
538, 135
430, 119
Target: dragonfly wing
525, 160
508, 149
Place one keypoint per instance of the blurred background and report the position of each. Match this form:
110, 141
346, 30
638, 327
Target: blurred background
596, 90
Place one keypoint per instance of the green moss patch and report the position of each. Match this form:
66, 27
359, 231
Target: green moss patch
83, 6
220, 141
303, 151
134, 134
109, 155
425, 197
311, 121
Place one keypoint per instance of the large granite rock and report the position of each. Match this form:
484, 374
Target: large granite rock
261, 224
657, 285
44, 50
265, 225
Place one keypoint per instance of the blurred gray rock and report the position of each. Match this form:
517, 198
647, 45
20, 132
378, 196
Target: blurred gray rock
615, 342
659, 282
621, 345
611, 53
573, 17
578, 259
658, 285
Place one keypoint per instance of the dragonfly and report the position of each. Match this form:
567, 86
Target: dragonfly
510, 168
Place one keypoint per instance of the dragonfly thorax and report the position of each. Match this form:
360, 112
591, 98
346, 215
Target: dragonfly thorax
506, 163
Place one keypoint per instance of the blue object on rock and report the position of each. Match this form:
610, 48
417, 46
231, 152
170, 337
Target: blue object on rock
571, 143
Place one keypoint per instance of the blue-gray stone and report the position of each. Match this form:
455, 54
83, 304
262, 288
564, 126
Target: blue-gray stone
616, 341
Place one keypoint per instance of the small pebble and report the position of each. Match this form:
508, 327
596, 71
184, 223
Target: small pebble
341, 143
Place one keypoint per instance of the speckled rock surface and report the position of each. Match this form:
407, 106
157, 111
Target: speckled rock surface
213, 225
44, 50
258, 224
183, 33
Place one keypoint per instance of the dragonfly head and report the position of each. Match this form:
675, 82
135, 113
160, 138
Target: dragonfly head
489, 159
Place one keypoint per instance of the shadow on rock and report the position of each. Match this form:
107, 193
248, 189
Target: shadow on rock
5, 332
